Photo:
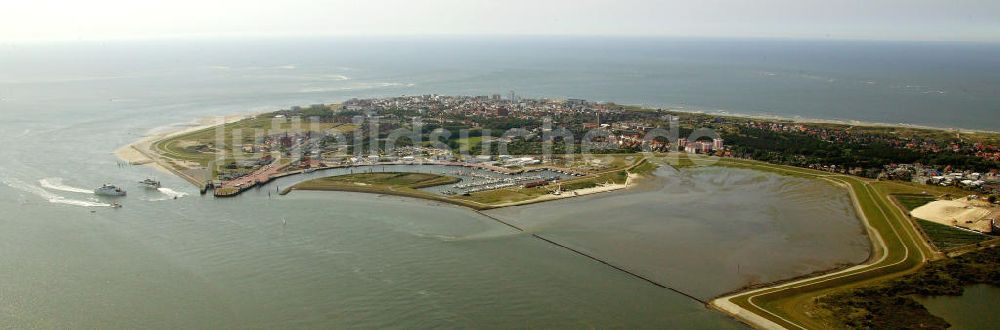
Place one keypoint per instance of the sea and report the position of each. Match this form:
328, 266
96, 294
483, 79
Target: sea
171, 258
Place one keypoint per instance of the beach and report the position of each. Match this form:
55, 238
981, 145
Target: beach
140, 152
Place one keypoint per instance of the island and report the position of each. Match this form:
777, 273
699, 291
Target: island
903, 180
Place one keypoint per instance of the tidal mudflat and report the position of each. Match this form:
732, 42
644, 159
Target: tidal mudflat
707, 231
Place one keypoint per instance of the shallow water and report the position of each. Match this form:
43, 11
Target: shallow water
708, 231
340, 259
365, 260
357, 260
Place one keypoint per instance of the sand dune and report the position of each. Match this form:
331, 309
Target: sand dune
953, 212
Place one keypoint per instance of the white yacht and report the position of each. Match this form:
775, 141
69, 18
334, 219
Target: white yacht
150, 183
109, 190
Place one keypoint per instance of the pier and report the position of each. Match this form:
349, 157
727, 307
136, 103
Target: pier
269, 173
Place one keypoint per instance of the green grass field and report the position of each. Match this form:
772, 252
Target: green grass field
911, 202
942, 236
467, 143
201, 148
506, 195
393, 179
947, 237
391, 183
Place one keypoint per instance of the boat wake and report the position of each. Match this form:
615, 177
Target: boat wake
171, 193
57, 184
45, 194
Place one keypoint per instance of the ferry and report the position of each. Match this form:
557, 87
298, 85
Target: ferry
150, 183
109, 190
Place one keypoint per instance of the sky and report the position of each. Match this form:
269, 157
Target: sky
922, 20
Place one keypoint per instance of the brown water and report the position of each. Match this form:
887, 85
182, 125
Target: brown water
708, 231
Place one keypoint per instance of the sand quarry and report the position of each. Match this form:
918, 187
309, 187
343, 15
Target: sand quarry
959, 212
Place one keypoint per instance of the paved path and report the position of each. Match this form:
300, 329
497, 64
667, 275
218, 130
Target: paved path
897, 250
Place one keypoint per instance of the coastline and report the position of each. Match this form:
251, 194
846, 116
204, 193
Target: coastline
897, 251
877, 253
137, 152
629, 182
141, 155
810, 120
734, 304
141, 151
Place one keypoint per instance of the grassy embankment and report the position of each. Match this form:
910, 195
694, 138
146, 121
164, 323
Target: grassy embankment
389, 183
898, 249
398, 184
890, 305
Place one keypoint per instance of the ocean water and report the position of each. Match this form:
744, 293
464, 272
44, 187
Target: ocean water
355, 260
936, 84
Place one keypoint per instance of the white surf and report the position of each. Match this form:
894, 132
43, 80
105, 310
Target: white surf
45, 194
171, 193
57, 184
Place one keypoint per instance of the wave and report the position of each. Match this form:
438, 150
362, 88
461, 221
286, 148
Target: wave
354, 87
45, 194
171, 193
56, 184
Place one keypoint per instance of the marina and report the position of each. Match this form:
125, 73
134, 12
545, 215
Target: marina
255, 258
476, 177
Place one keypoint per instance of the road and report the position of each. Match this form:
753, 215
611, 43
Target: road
898, 249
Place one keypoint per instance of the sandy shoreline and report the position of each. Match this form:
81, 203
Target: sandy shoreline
207, 122
807, 120
134, 152
137, 152
141, 151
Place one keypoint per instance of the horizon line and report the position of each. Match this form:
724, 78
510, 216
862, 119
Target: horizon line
266, 36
